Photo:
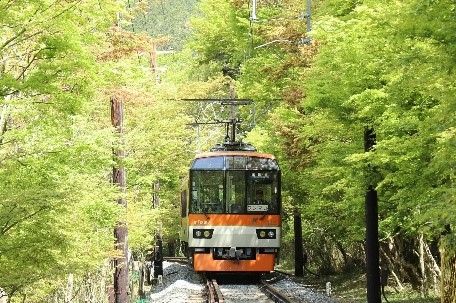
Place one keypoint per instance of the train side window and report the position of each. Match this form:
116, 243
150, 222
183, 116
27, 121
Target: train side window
183, 203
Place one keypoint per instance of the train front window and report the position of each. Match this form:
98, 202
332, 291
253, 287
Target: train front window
263, 192
252, 192
207, 192
235, 192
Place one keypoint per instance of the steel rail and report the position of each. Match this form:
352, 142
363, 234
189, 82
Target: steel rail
274, 294
176, 259
213, 291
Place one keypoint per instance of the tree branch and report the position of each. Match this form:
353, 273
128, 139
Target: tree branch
5, 229
26, 37
34, 58
10, 216
67, 9
25, 26
271, 42
8, 5
5, 94
22, 31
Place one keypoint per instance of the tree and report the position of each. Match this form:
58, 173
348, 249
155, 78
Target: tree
166, 18
55, 154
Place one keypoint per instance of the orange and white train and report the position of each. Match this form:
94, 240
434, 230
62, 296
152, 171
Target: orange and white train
231, 205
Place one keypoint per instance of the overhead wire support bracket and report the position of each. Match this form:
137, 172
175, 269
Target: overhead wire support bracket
230, 124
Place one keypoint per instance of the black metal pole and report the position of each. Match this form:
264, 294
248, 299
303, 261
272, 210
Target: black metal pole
299, 258
158, 256
372, 245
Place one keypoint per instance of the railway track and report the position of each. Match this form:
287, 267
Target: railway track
262, 292
181, 284
276, 295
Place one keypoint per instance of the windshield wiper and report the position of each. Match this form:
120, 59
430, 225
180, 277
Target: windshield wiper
206, 215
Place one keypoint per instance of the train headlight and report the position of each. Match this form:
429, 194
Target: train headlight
266, 233
203, 233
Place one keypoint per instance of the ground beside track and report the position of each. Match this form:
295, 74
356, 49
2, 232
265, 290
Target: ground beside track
181, 284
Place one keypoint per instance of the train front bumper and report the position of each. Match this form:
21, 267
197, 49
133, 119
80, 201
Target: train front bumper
206, 262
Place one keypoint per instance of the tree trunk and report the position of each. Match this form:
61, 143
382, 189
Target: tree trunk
423, 289
172, 248
347, 260
120, 231
433, 268
299, 260
448, 281
4, 113
390, 263
3, 296
69, 288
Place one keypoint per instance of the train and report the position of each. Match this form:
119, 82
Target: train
231, 210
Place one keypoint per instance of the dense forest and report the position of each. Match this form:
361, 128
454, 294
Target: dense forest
386, 65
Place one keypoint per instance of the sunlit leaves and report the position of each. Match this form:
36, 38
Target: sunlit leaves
387, 65
220, 35
55, 156
379, 65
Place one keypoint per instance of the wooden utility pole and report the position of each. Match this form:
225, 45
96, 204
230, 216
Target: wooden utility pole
372, 245
120, 231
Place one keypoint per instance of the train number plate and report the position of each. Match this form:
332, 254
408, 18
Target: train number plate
257, 207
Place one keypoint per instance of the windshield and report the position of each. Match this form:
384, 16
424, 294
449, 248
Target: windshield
207, 192
235, 191
263, 192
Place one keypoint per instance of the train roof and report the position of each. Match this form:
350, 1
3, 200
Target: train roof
234, 160
234, 153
